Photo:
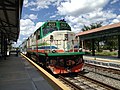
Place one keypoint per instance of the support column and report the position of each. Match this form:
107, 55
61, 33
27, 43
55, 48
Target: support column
98, 46
4, 48
118, 46
2, 37
82, 44
1, 45
93, 47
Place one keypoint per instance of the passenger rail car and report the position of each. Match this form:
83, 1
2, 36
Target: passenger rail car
56, 47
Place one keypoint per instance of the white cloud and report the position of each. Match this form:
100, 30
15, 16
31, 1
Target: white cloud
40, 4
116, 20
27, 27
31, 16
53, 16
26, 22
118, 17
79, 7
36, 5
25, 3
113, 1
38, 25
77, 22
80, 12
100, 15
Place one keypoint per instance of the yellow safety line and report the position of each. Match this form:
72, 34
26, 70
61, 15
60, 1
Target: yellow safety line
56, 81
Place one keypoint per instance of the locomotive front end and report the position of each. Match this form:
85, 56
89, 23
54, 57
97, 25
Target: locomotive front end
61, 63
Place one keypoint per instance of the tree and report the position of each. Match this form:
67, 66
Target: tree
92, 26
111, 43
85, 28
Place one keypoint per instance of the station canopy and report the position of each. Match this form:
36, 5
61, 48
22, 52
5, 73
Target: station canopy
10, 14
105, 31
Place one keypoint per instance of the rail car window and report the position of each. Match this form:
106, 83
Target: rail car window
38, 37
47, 47
51, 38
66, 36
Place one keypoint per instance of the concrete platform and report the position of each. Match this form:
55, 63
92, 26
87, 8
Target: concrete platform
18, 74
104, 61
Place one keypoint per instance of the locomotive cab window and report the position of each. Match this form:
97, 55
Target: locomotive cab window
50, 27
64, 26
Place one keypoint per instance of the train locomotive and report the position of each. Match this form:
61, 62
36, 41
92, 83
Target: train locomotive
56, 47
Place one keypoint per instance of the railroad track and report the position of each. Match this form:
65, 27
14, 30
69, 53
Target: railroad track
84, 83
108, 72
106, 75
70, 84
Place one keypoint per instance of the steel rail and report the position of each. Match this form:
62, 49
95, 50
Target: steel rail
99, 83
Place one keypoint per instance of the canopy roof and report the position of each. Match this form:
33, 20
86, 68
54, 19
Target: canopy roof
109, 30
10, 13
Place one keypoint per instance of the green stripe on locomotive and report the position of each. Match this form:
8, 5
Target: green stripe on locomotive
62, 54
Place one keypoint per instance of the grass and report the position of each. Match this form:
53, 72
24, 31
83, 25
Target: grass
104, 53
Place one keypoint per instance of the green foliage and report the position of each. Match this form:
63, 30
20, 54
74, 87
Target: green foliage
92, 26
110, 43
106, 53
85, 28
87, 53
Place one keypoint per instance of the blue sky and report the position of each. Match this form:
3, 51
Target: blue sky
76, 12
